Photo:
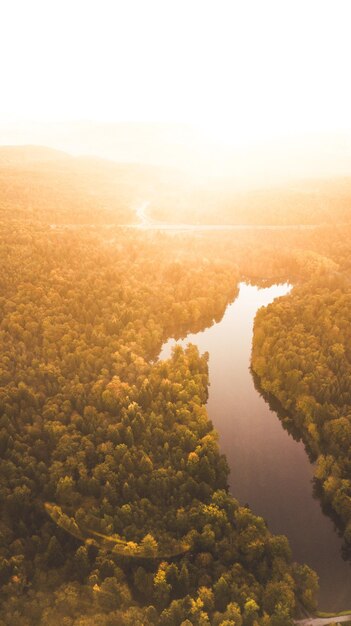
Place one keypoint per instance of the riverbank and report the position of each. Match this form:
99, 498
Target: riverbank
269, 470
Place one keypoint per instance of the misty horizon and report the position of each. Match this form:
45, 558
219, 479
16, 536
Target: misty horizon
175, 313
188, 149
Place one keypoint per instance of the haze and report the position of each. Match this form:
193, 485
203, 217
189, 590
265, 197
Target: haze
175, 170
251, 89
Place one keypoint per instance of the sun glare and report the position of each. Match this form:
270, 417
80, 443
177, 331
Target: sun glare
240, 70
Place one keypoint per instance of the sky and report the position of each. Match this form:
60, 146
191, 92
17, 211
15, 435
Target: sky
241, 70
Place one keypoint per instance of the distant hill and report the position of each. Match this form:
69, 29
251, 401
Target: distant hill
27, 155
176, 146
258, 163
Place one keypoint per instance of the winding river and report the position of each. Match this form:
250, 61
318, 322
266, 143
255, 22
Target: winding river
269, 470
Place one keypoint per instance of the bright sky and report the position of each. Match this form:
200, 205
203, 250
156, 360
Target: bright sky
239, 68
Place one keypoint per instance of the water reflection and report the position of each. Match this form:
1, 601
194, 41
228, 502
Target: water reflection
270, 469
288, 424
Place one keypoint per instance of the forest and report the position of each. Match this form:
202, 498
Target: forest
302, 356
114, 498
175, 313
306, 202
114, 495
46, 184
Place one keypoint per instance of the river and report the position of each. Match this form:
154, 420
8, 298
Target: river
269, 470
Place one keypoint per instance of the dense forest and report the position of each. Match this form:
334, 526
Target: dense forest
114, 499
302, 356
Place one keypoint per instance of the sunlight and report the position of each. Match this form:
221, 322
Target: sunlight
175, 312
241, 71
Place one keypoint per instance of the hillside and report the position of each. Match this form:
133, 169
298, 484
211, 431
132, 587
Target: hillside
42, 184
316, 201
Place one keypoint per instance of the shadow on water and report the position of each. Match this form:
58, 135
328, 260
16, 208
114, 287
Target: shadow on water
271, 468
287, 422
275, 406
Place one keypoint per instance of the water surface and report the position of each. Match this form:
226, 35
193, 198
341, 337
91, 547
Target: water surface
269, 470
